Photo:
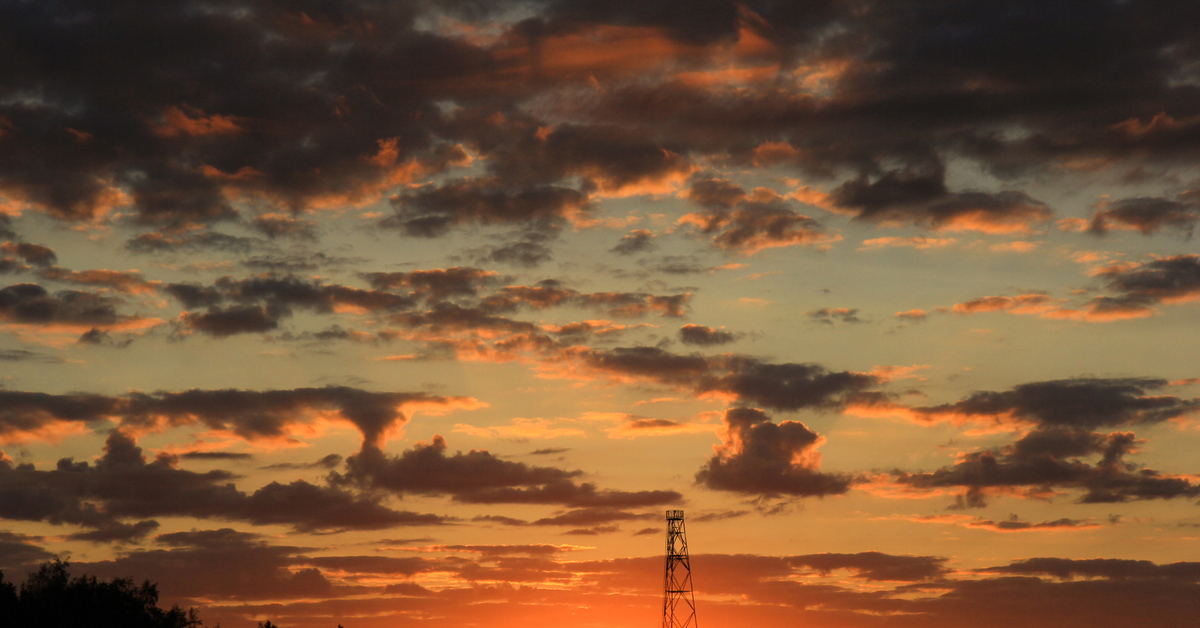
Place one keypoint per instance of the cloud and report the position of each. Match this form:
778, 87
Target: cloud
190, 241
748, 223
197, 563
436, 284
637, 241
215, 455
550, 293
125, 485
1012, 524
251, 415
30, 306
1141, 287
703, 336
876, 566
787, 386
920, 197
528, 253
1062, 447
21, 549
915, 316
827, 315
126, 282
21, 355
35, 254
29, 415
1066, 568
259, 303
272, 414
481, 478
916, 242
1147, 215
765, 458
1086, 403
277, 225
430, 211
1020, 304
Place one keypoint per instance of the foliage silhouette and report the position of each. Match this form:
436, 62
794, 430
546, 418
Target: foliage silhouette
50, 598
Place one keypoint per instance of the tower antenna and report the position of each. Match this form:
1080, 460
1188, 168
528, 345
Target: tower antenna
679, 604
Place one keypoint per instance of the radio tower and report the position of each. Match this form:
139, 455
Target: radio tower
679, 605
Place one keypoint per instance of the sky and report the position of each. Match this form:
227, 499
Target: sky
422, 313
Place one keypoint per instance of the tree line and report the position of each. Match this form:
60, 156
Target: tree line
51, 598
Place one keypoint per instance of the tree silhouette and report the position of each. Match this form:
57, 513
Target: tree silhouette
50, 598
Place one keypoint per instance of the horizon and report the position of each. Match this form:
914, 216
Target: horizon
389, 314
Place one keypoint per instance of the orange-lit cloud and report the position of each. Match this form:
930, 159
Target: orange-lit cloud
916, 242
177, 121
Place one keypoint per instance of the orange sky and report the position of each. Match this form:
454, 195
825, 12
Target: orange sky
422, 314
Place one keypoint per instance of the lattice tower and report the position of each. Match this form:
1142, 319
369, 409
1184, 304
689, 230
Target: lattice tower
679, 604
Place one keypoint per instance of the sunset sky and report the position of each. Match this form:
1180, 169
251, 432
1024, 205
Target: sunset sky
422, 313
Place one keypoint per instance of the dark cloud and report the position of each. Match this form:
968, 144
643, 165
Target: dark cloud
1063, 450
328, 462
117, 532
1032, 466
198, 564
11, 265
190, 241
31, 413
715, 193
702, 336
272, 413
215, 455
877, 566
437, 284
787, 386
21, 355
431, 211
1141, 287
285, 226
920, 197
762, 457
1147, 215
718, 516
1085, 403
154, 119
296, 262
455, 296
609, 158
1066, 568
482, 478
550, 293
1013, 524
128, 282
827, 315
637, 241
126, 485
19, 549
893, 92
31, 304
594, 518
527, 253
748, 223
223, 322
252, 415
35, 254
260, 303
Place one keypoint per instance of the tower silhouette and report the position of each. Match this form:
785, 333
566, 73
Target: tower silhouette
679, 605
